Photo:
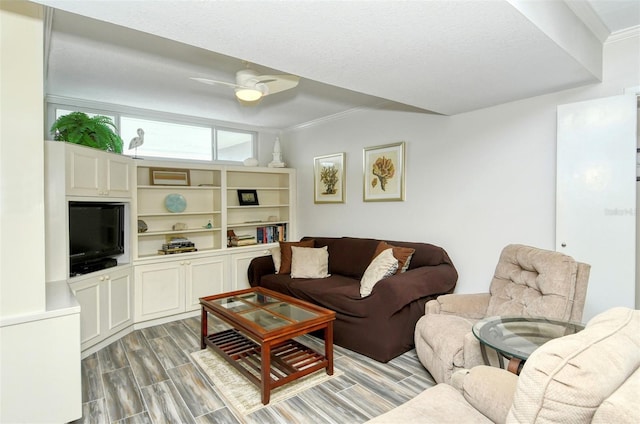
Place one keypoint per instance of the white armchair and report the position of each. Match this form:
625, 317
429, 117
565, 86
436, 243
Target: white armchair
528, 282
592, 376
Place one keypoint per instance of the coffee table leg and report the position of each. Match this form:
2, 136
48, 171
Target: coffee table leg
266, 373
203, 328
328, 347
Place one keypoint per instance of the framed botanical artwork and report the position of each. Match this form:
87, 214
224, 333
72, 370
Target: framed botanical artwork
328, 178
384, 173
169, 176
248, 197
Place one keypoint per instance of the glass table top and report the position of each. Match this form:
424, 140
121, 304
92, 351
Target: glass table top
518, 337
266, 311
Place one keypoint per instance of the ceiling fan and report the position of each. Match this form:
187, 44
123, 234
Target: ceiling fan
251, 87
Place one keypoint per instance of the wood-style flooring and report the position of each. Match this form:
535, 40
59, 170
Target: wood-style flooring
148, 377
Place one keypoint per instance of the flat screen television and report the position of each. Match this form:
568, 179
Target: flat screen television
96, 232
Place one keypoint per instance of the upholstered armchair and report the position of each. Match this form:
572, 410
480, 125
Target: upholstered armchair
589, 377
528, 282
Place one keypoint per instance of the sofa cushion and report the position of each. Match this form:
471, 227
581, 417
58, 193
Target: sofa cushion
309, 262
351, 256
285, 253
402, 254
382, 266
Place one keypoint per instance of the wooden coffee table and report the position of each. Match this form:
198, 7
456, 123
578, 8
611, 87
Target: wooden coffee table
260, 343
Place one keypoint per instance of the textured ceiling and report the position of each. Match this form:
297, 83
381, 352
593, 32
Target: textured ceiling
443, 56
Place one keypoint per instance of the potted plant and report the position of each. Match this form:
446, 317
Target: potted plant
98, 131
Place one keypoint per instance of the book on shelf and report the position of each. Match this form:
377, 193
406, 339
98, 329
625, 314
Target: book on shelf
271, 233
243, 241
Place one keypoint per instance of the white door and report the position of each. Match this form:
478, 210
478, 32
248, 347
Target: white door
595, 196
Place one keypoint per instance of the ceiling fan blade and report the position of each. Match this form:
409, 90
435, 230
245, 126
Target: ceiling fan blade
278, 83
214, 82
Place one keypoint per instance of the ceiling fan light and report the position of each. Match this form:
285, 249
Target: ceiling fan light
248, 94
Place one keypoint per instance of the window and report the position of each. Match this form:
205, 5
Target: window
234, 145
168, 139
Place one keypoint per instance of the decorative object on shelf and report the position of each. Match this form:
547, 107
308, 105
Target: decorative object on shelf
179, 226
248, 197
209, 225
97, 131
175, 202
137, 142
177, 244
250, 162
329, 178
384, 173
277, 156
169, 176
142, 226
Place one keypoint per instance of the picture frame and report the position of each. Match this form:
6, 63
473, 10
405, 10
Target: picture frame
384, 173
248, 198
169, 176
329, 178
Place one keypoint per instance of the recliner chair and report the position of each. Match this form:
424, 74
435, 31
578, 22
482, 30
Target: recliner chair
589, 377
528, 282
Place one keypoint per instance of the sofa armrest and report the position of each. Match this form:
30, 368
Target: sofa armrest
490, 390
401, 289
472, 305
262, 265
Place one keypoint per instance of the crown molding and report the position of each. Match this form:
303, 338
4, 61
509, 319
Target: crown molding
633, 32
590, 18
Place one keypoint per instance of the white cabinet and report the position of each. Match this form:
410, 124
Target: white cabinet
106, 303
172, 287
91, 172
239, 266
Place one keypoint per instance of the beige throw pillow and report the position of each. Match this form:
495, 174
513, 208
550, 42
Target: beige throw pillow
402, 254
309, 262
285, 253
384, 265
275, 255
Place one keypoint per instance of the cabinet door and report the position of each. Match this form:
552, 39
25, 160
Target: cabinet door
159, 290
87, 292
83, 172
119, 294
595, 204
239, 266
118, 173
204, 277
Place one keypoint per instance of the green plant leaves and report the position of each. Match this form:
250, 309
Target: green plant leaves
98, 131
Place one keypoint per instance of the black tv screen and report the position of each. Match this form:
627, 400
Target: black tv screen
96, 231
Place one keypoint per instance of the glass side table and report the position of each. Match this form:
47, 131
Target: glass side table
515, 338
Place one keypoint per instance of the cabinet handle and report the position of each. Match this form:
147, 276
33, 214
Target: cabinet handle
100, 278
106, 277
182, 263
564, 245
188, 262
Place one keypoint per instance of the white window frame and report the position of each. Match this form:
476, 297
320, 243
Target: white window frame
118, 111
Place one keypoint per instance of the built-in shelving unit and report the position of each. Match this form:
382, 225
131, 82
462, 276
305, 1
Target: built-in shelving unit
201, 220
273, 191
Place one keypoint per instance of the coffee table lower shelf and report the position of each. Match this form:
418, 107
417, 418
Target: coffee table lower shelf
286, 361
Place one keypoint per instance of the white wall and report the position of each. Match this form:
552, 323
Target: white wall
22, 287
475, 181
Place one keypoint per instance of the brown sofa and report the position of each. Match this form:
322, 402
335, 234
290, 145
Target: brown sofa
381, 325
